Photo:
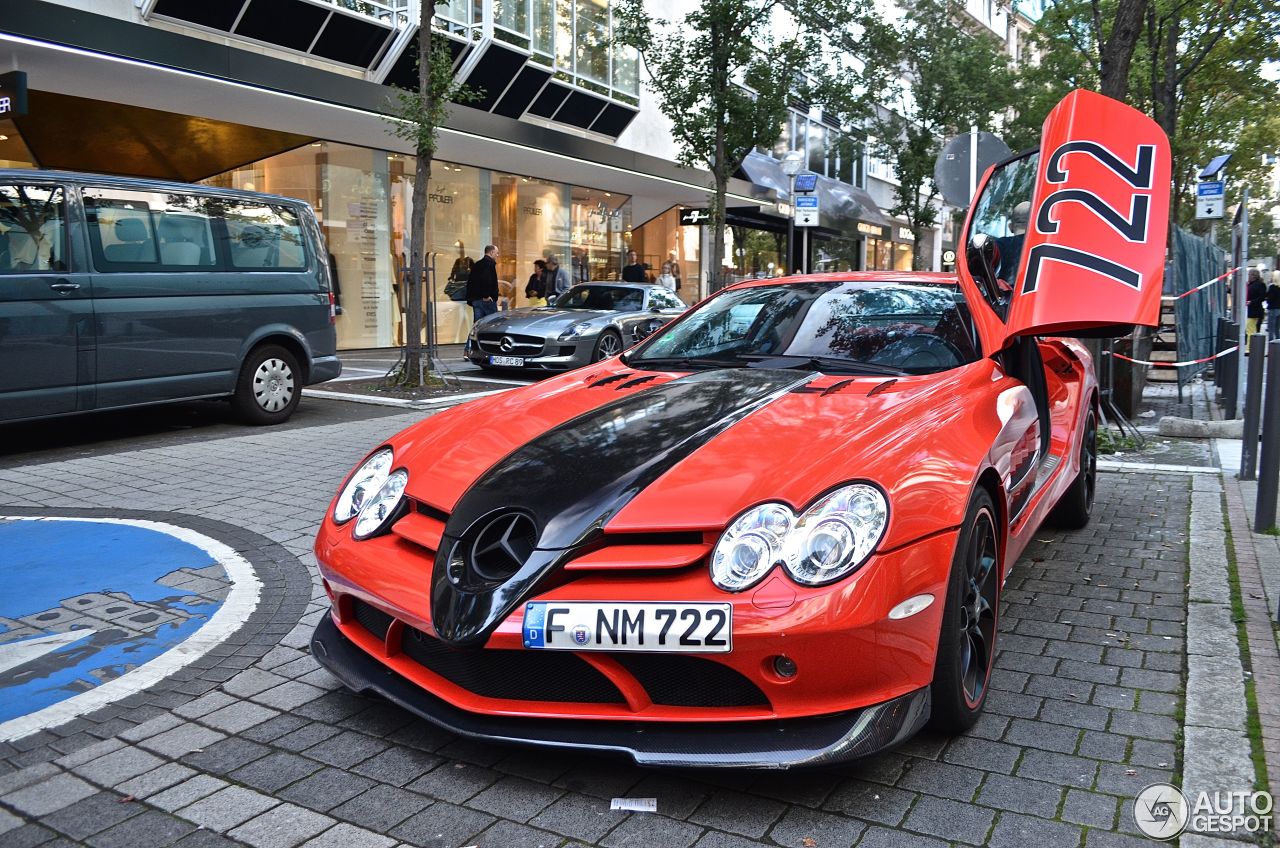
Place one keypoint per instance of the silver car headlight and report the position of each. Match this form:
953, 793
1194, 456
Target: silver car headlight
826, 542
366, 480
576, 330
381, 508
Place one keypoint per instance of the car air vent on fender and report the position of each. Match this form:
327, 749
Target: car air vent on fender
674, 680
612, 378
637, 381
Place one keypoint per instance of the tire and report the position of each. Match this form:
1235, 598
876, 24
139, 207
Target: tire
269, 386
609, 344
970, 621
1076, 506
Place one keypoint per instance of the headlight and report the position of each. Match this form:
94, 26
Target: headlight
828, 541
837, 534
576, 330
381, 508
750, 547
366, 480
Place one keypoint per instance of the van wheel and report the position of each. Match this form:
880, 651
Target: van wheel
268, 389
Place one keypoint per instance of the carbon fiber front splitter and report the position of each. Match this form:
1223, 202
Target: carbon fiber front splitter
775, 744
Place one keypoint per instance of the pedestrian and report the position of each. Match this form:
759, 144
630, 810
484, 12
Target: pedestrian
675, 268
558, 275
482, 284
1255, 296
536, 289
666, 278
633, 271
1272, 301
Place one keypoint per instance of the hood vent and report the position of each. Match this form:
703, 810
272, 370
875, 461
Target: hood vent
637, 381
612, 378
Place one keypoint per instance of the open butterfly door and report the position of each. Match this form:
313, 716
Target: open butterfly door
1070, 240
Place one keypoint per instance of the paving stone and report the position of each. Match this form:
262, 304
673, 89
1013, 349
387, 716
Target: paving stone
677, 797
118, 766
515, 798
1103, 746
346, 749
1089, 809
442, 824
380, 807
204, 705
238, 717
948, 781
156, 780
150, 728
1015, 831
40, 799
282, 724
738, 813
181, 740
1020, 795
879, 837
398, 766
950, 820
187, 792
227, 808
715, 839
252, 681
8, 821
152, 829
455, 782
275, 771
23, 777
871, 802
643, 830
799, 825
282, 827
1058, 768
511, 835
345, 835
289, 696
89, 753
302, 738
226, 755
982, 754
580, 817
1039, 734
326, 789
28, 836
90, 815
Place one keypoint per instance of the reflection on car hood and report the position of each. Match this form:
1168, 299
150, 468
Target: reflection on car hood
541, 320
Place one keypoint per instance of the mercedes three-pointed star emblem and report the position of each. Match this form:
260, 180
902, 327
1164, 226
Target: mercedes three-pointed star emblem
502, 546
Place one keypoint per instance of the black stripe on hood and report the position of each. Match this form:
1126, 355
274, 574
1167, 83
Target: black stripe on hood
571, 480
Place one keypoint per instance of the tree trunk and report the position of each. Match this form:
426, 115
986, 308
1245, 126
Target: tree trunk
719, 168
920, 262
718, 228
1115, 54
418, 226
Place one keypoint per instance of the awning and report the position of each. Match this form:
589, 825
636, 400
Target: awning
841, 206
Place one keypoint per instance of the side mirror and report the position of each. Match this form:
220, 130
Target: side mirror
982, 255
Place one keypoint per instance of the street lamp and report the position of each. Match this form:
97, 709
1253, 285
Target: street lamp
792, 164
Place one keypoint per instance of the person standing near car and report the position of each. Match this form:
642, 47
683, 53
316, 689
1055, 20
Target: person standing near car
482, 284
1255, 295
559, 276
633, 271
536, 289
1273, 306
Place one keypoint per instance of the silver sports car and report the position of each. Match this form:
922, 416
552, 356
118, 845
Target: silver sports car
588, 323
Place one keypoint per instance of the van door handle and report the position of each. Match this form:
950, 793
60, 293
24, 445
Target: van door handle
63, 287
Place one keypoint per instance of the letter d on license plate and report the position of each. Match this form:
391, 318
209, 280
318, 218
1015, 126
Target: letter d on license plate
581, 626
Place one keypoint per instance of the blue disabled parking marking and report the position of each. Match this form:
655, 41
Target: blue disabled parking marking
96, 609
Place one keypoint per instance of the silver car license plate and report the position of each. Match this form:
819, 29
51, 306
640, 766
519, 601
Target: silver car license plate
677, 628
510, 361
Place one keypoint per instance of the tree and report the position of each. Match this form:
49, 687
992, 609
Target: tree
950, 79
416, 116
726, 72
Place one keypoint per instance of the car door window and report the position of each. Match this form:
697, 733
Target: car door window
150, 230
263, 237
32, 229
664, 299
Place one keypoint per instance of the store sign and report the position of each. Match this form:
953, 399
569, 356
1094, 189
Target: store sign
694, 217
13, 94
905, 234
870, 229
948, 257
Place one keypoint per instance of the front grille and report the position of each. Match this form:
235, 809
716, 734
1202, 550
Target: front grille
371, 618
521, 344
512, 675
673, 680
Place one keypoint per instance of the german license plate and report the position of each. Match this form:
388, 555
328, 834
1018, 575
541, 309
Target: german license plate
511, 361
578, 626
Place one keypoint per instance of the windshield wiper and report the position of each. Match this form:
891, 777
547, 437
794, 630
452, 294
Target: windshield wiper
684, 362
821, 363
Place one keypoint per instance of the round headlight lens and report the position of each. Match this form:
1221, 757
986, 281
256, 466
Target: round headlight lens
837, 534
367, 480
576, 330
751, 546
378, 511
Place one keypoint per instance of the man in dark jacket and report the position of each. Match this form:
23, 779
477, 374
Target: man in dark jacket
634, 271
482, 285
1255, 297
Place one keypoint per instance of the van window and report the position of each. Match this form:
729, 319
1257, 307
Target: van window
263, 237
32, 230
151, 231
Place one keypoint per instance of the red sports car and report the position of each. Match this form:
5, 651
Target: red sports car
774, 533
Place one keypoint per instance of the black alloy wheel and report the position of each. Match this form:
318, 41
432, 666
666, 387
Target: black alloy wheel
967, 642
1076, 506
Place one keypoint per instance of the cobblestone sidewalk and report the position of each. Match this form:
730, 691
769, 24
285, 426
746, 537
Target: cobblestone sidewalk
259, 746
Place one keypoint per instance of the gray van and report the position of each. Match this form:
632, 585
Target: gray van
119, 292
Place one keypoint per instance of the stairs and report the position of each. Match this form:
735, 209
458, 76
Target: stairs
1164, 346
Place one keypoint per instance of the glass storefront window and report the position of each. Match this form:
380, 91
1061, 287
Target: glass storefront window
817, 147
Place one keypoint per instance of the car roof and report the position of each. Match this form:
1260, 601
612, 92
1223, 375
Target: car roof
138, 183
620, 284
927, 278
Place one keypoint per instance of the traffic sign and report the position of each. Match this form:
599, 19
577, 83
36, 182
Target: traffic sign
1209, 200
806, 210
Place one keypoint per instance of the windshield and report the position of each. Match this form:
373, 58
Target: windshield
845, 327
607, 298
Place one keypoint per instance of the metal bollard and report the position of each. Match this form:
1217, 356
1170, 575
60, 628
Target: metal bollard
1228, 383
1253, 407
1264, 517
